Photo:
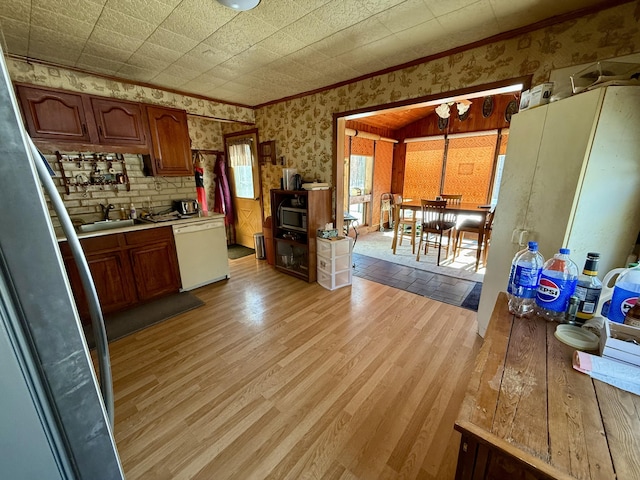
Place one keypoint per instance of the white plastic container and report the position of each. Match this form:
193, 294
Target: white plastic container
623, 295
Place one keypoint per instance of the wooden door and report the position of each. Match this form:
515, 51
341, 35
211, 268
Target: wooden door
244, 177
170, 142
54, 115
118, 122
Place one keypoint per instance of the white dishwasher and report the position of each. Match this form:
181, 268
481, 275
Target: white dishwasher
202, 253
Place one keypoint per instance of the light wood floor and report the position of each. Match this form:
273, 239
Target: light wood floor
274, 378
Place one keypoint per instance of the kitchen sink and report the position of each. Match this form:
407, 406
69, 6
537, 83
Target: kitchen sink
105, 225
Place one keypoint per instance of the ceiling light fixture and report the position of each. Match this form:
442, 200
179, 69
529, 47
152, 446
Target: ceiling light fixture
444, 109
239, 5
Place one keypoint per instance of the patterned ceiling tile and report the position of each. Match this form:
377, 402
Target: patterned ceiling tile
377, 6
136, 73
342, 13
240, 33
255, 57
44, 42
308, 56
442, 7
15, 9
366, 31
168, 80
202, 61
114, 39
158, 52
309, 29
281, 43
105, 51
174, 41
203, 82
12, 27
152, 11
405, 15
477, 18
19, 45
119, 22
62, 23
198, 19
279, 12
83, 10
178, 71
91, 62
144, 61
361, 60
427, 32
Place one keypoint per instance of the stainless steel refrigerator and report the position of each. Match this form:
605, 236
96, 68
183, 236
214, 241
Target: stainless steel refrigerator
53, 418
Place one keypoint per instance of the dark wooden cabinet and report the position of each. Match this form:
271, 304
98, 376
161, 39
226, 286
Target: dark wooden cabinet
62, 120
170, 144
54, 115
154, 262
126, 268
118, 122
294, 247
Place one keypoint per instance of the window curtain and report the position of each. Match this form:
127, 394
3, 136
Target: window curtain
240, 154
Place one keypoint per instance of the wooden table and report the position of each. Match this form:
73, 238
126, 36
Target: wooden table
460, 209
528, 414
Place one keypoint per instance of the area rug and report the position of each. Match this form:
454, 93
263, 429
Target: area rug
121, 324
378, 245
473, 299
443, 288
238, 251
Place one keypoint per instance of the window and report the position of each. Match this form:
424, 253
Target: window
360, 185
241, 163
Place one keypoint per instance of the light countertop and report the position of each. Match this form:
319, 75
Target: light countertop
205, 217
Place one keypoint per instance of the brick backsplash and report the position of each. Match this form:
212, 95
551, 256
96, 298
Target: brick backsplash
83, 204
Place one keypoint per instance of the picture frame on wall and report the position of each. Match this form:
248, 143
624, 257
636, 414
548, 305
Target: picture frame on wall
268, 152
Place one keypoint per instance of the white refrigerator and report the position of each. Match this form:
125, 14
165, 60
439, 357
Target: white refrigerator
54, 422
571, 179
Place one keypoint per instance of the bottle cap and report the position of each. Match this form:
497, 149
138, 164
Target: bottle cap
593, 255
533, 245
565, 251
577, 337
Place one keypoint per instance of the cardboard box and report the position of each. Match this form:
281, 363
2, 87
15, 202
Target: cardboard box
621, 342
536, 96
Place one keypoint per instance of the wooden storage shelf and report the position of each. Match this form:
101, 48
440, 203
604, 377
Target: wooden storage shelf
297, 256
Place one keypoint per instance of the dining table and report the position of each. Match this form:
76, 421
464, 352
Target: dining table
459, 209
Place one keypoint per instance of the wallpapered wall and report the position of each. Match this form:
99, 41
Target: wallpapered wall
303, 126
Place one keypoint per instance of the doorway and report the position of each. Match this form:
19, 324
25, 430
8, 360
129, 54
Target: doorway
244, 179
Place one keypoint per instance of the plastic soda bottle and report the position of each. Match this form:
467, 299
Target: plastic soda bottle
556, 286
625, 294
523, 282
588, 289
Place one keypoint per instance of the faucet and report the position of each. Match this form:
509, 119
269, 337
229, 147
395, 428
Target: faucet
105, 211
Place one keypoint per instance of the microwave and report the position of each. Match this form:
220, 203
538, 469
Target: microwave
290, 218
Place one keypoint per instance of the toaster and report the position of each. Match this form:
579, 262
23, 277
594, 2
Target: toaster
186, 206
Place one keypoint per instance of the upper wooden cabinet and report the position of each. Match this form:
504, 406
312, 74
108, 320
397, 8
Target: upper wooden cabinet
170, 144
54, 115
118, 122
61, 120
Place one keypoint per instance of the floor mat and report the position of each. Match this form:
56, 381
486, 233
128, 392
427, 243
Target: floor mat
443, 288
125, 323
238, 251
473, 299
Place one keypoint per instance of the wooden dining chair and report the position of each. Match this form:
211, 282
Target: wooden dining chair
434, 222
452, 199
472, 225
406, 222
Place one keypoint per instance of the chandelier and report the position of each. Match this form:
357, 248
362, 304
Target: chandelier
444, 109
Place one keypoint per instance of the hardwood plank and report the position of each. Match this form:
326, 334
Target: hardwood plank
523, 390
277, 378
577, 441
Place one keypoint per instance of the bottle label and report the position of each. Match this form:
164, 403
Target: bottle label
525, 281
554, 293
588, 297
509, 287
621, 303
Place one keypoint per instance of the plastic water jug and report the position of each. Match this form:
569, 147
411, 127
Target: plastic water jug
624, 293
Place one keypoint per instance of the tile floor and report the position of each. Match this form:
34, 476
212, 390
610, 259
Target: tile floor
436, 286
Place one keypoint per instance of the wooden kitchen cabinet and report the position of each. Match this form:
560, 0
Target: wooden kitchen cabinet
118, 122
154, 262
127, 269
54, 115
170, 143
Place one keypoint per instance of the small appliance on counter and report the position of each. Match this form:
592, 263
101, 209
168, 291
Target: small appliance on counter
186, 206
